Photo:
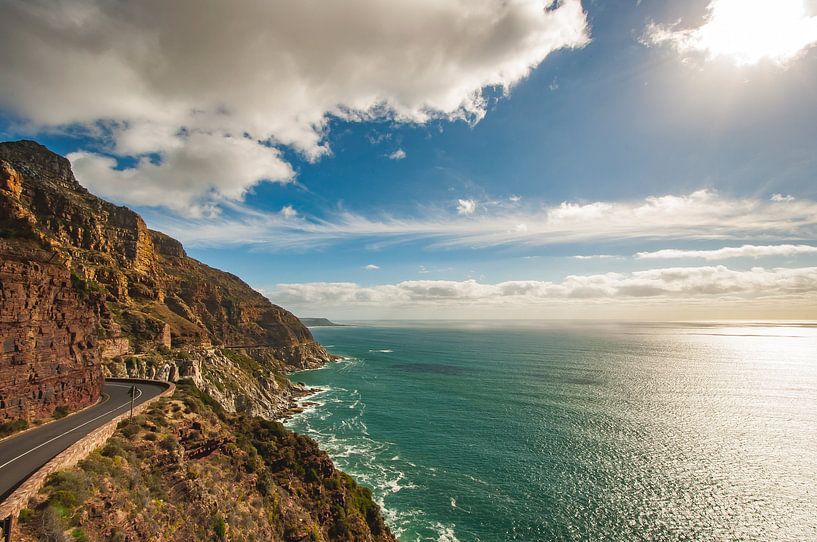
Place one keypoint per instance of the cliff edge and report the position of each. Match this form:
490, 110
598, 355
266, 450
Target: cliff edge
149, 310
88, 290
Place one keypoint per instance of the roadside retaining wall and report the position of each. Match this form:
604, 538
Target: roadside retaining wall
73, 454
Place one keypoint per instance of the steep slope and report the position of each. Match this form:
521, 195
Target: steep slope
154, 294
85, 282
49, 360
186, 470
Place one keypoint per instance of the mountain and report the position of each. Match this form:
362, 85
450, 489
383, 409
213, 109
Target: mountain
87, 291
152, 290
151, 310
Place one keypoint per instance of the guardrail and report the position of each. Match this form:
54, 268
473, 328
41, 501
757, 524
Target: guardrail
10, 508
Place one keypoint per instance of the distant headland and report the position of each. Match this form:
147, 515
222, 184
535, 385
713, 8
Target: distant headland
319, 322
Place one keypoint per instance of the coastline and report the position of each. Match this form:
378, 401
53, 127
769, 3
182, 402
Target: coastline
370, 462
297, 401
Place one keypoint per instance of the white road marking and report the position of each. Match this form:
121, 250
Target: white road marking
10, 461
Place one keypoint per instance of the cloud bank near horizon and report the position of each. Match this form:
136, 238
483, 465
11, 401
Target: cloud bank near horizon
744, 251
708, 284
242, 79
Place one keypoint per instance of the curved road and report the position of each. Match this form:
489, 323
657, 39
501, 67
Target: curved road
23, 455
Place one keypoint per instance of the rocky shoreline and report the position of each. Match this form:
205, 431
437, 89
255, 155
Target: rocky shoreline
297, 405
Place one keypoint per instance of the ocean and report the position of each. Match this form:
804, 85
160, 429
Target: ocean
494, 431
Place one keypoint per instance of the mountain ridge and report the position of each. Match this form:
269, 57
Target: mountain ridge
143, 272
88, 290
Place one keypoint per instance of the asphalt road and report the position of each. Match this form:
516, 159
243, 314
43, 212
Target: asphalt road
22, 455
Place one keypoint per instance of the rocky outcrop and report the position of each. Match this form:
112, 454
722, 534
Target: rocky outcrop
48, 354
155, 295
236, 381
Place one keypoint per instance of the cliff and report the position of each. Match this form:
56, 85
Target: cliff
88, 290
149, 295
49, 360
186, 470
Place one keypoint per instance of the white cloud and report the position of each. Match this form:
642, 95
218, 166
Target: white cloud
371, 267
745, 251
746, 31
399, 154
781, 197
594, 257
677, 283
169, 79
700, 215
466, 206
287, 211
206, 165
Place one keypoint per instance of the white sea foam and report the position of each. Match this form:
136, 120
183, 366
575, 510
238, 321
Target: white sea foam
383, 351
347, 441
446, 533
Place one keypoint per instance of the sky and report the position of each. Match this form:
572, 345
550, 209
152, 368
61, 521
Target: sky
458, 159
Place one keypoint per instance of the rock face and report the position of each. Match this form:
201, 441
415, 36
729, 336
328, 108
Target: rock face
48, 355
154, 294
238, 382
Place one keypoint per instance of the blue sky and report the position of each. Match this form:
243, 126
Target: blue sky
640, 127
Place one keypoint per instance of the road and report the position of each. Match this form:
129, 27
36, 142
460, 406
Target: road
22, 455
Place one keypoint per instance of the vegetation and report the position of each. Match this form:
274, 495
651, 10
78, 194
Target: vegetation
187, 470
85, 287
15, 426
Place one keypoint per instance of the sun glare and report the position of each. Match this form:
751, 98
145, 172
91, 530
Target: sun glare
746, 31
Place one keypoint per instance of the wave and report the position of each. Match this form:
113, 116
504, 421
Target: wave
335, 421
383, 351
446, 533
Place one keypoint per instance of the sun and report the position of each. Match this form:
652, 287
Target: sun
746, 31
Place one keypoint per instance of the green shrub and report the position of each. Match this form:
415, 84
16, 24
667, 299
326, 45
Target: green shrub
26, 515
68, 489
60, 412
220, 526
129, 429
79, 535
12, 427
114, 447
85, 287
169, 443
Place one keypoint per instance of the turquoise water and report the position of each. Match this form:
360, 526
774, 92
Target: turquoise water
498, 432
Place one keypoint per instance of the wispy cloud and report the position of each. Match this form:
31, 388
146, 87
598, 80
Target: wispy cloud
287, 211
399, 154
371, 267
710, 282
700, 215
745, 251
466, 206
